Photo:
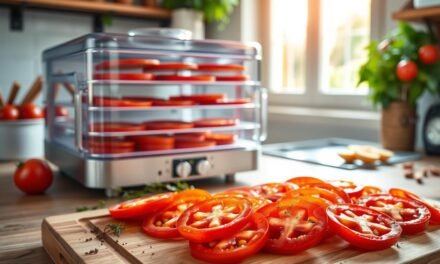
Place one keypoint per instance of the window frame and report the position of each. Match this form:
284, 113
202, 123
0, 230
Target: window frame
312, 96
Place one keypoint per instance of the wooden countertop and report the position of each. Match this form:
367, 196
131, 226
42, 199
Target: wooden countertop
21, 215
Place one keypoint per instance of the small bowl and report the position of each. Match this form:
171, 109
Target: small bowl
21, 139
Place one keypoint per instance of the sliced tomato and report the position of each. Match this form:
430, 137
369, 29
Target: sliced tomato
221, 139
125, 64
167, 124
198, 78
294, 225
162, 224
214, 219
215, 122
109, 143
411, 215
142, 98
199, 98
241, 191
141, 207
235, 247
226, 102
221, 67
316, 192
258, 202
363, 227
272, 191
116, 127
157, 142
353, 190
200, 136
232, 78
301, 181
113, 102
174, 66
369, 190
123, 76
110, 150
193, 143
340, 192
433, 209
173, 103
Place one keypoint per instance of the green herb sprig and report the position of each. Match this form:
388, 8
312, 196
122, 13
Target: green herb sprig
100, 205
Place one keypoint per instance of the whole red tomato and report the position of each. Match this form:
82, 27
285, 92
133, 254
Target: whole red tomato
30, 111
33, 177
9, 112
406, 70
429, 54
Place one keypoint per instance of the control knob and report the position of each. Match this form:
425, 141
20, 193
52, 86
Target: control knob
183, 169
203, 167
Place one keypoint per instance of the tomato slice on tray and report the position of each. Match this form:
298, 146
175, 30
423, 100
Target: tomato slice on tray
198, 78
167, 124
123, 76
199, 98
157, 142
221, 67
109, 143
125, 64
215, 122
301, 181
113, 102
193, 143
110, 150
294, 225
232, 78
411, 215
433, 209
115, 127
174, 66
226, 102
142, 98
363, 227
214, 219
141, 207
272, 191
200, 136
162, 224
172, 103
221, 139
235, 247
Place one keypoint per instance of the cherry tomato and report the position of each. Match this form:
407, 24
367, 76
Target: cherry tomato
199, 98
125, 64
316, 192
433, 209
406, 70
9, 112
429, 54
141, 207
171, 67
272, 191
184, 78
221, 67
233, 78
116, 127
411, 215
294, 225
172, 103
193, 143
33, 177
30, 111
301, 181
163, 223
123, 76
214, 219
236, 247
215, 122
363, 227
221, 139
167, 124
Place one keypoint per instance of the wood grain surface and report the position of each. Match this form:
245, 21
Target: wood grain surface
21, 215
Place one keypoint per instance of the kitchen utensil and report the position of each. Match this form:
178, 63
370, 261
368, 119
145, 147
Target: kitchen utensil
34, 91
15, 88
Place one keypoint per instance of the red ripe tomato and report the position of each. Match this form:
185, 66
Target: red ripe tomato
363, 227
273, 191
214, 219
294, 225
33, 177
411, 215
304, 180
236, 247
9, 112
141, 207
30, 111
429, 54
406, 70
435, 211
163, 223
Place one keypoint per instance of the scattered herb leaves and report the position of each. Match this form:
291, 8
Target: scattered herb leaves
115, 229
155, 188
101, 204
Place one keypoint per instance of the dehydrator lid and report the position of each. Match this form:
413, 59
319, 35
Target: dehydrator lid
113, 41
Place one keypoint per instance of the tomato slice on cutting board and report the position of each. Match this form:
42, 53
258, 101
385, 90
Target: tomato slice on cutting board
301, 181
215, 122
162, 224
272, 191
435, 210
411, 215
316, 192
294, 225
338, 191
214, 219
235, 247
141, 207
167, 124
353, 190
363, 227
123, 76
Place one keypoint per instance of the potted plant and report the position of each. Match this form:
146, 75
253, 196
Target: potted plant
398, 71
190, 14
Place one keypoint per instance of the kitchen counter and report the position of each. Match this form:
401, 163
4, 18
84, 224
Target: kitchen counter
21, 215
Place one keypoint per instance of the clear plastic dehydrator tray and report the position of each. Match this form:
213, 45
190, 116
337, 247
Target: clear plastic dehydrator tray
140, 96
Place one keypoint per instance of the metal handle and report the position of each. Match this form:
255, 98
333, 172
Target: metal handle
78, 119
263, 114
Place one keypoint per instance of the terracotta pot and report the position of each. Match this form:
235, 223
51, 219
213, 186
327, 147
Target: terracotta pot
398, 129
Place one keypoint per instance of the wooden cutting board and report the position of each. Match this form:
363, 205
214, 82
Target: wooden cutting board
67, 238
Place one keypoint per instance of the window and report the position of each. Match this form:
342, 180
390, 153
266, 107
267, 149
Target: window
315, 50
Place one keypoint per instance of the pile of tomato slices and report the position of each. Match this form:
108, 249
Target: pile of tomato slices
280, 218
